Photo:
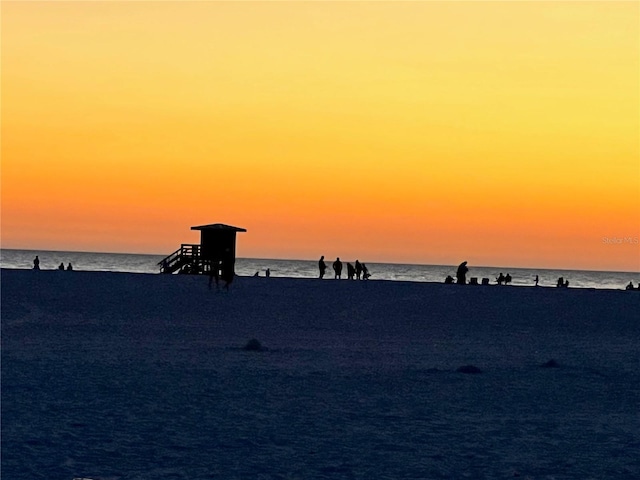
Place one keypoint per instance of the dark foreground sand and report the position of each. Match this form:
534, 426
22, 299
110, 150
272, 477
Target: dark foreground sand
132, 376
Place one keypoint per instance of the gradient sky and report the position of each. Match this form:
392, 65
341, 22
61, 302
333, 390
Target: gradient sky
501, 133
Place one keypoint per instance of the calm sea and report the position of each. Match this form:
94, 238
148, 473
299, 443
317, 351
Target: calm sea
136, 263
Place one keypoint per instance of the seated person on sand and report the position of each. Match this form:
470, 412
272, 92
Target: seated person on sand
560, 282
507, 279
630, 286
69, 267
61, 266
448, 280
500, 279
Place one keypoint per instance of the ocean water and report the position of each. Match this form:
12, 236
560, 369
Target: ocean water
139, 263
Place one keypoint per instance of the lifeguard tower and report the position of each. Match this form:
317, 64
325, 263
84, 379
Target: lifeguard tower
216, 252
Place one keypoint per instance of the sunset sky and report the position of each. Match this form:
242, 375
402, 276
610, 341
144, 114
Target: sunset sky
501, 133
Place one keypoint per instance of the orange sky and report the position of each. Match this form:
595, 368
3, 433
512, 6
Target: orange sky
501, 133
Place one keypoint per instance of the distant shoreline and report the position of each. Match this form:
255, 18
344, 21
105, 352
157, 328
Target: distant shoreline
314, 261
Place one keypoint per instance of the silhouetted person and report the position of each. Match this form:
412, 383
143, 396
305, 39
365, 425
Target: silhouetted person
358, 269
351, 272
36, 263
630, 286
214, 274
257, 274
500, 279
566, 284
560, 282
448, 280
69, 267
227, 273
537, 280
61, 266
337, 268
507, 279
267, 273
322, 266
365, 272
461, 273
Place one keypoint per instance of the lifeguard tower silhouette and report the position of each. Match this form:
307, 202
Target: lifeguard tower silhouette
217, 251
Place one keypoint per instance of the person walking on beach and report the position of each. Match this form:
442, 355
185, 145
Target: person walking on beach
351, 272
461, 273
36, 263
226, 273
337, 267
322, 266
214, 274
358, 269
537, 280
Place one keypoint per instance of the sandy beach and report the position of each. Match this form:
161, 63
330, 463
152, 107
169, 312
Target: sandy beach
132, 376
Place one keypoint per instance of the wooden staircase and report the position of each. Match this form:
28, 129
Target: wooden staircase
184, 260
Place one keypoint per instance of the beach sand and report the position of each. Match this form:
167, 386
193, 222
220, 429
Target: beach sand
133, 376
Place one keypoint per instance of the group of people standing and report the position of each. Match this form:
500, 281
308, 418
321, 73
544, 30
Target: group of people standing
359, 271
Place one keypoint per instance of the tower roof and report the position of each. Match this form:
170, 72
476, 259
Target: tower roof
218, 226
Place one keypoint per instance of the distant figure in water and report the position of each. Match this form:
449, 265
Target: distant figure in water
69, 267
461, 273
36, 263
630, 286
322, 266
351, 272
61, 266
536, 280
365, 272
507, 279
267, 273
448, 280
337, 267
500, 279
